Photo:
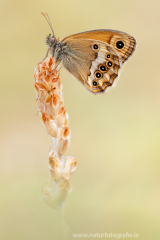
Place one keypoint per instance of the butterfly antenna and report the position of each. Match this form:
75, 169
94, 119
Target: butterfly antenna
48, 20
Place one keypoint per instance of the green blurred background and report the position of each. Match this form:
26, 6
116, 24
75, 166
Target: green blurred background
115, 136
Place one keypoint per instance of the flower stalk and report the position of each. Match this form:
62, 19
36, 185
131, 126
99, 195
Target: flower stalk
55, 119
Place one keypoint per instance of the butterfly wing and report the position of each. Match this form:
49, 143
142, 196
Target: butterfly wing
95, 62
104, 69
122, 42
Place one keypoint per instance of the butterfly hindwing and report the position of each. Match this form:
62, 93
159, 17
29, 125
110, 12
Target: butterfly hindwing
104, 68
96, 66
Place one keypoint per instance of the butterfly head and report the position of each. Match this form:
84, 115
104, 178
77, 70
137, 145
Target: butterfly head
57, 48
51, 41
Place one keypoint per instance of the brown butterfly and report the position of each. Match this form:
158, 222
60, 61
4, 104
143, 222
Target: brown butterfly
93, 57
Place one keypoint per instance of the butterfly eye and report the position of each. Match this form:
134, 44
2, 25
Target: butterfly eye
119, 44
109, 64
94, 83
98, 75
102, 68
96, 47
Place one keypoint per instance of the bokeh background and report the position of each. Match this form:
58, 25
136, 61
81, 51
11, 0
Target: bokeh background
115, 136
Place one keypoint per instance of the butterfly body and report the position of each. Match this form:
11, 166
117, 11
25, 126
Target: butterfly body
93, 57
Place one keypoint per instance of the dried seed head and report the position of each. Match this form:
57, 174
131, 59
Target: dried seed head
55, 119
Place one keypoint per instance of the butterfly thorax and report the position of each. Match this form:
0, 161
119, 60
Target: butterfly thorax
57, 48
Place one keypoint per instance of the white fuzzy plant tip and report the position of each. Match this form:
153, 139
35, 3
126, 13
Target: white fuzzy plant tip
55, 119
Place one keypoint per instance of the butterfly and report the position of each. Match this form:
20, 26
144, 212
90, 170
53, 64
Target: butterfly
93, 57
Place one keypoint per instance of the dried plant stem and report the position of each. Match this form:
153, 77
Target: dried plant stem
62, 228
55, 119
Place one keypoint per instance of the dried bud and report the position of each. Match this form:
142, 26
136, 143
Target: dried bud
64, 187
54, 104
64, 140
61, 116
49, 124
64, 132
70, 167
49, 196
63, 146
55, 167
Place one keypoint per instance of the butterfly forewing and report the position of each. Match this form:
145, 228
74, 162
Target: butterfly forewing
122, 42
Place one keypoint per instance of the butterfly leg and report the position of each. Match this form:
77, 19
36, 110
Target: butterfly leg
53, 70
45, 56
